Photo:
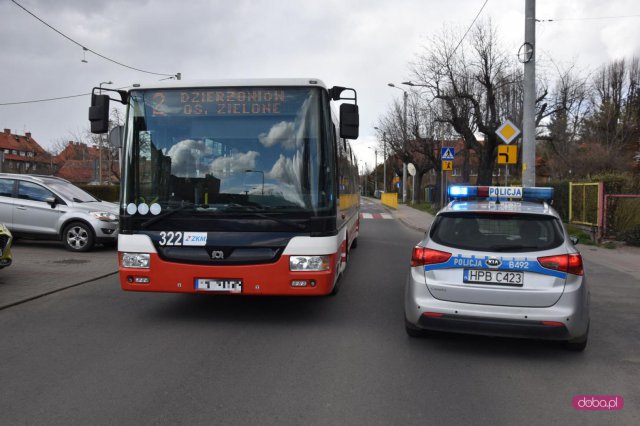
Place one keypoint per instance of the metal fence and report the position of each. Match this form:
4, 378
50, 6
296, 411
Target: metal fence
585, 203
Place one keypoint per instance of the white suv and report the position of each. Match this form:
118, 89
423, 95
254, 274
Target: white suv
47, 207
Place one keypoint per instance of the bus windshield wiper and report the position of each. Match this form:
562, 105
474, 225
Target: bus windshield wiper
163, 215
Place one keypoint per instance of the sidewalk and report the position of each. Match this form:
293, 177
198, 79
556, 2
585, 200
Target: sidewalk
624, 258
413, 218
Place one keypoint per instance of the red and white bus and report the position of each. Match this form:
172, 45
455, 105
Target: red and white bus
246, 187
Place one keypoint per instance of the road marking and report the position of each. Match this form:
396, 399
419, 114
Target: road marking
376, 216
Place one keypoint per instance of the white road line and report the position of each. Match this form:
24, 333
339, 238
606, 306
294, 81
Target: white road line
387, 216
367, 216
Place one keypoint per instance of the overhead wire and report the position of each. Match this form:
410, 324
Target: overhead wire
469, 29
86, 49
593, 18
34, 101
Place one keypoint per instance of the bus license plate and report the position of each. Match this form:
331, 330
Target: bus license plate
483, 276
226, 285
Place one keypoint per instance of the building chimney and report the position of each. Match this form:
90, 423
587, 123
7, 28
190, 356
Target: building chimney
28, 135
7, 131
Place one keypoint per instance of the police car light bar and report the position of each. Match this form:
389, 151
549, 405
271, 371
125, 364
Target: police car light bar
501, 192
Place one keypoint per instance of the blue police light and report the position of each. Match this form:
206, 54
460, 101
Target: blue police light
501, 192
462, 191
537, 193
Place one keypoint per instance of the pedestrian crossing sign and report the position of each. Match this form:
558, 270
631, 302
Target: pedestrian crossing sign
447, 154
447, 165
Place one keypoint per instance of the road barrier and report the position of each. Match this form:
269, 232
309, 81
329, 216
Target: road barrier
390, 199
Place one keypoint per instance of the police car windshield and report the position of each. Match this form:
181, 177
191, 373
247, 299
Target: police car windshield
497, 232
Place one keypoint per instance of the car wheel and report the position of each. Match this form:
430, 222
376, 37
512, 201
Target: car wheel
354, 243
78, 237
578, 344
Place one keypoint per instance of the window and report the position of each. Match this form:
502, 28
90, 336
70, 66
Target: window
497, 232
33, 191
6, 187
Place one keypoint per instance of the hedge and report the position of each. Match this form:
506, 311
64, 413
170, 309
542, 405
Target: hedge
103, 192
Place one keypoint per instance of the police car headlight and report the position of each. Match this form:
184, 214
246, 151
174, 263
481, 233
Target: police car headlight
104, 216
135, 260
309, 263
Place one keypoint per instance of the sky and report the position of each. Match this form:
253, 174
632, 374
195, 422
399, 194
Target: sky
364, 44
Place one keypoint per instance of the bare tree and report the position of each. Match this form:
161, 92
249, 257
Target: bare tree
616, 110
479, 84
568, 111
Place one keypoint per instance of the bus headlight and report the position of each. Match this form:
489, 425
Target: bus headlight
135, 260
309, 263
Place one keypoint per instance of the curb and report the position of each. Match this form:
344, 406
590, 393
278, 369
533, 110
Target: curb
57, 290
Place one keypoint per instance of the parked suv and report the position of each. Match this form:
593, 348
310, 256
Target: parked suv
47, 207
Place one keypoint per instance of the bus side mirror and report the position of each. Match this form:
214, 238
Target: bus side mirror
99, 113
349, 121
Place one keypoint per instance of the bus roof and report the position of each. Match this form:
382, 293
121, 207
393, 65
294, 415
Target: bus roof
252, 82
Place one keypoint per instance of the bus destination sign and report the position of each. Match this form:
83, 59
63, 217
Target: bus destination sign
217, 102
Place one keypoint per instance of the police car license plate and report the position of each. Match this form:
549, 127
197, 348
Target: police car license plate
226, 285
484, 276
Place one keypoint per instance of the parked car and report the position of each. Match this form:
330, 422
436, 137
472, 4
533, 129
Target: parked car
5, 246
501, 268
47, 207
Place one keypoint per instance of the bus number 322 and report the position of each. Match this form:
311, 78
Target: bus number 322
170, 238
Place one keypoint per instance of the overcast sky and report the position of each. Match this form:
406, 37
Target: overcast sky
362, 44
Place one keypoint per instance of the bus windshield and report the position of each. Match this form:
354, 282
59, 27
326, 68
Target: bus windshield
223, 150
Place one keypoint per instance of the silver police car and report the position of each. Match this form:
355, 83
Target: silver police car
498, 261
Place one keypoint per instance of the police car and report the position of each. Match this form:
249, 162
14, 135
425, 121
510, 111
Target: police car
498, 261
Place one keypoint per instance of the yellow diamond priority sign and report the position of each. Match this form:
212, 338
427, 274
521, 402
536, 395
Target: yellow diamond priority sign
508, 132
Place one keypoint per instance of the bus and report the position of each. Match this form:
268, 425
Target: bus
245, 187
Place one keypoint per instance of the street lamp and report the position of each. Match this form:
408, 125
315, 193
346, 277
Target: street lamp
375, 167
404, 142
384, 159
101, 141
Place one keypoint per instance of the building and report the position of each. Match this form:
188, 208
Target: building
22, 154
80, 164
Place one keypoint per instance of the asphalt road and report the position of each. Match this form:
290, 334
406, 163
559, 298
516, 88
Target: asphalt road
92, 354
